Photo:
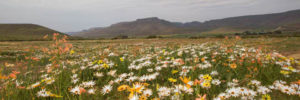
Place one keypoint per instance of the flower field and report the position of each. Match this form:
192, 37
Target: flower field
225, 69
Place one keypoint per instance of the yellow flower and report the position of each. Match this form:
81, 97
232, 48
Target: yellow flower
123, 87
172, 80
100, 62
268, 57
206, 84
291, 68
207, 77
121, 59
266, 97
72, 52
160, 57
284, 58
143, 97
284, 72
155, 99
136, 88
105, 66
172, 58
174, 71
34, 85
53, 95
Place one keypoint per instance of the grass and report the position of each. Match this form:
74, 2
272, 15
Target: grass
169, 68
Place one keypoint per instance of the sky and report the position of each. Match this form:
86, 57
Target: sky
76, 15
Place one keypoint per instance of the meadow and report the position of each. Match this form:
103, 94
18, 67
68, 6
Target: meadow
151, 69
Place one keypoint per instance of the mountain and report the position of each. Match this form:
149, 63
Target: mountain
140, 27
156, 26
24, 32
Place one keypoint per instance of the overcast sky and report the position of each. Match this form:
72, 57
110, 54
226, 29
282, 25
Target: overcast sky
76, 15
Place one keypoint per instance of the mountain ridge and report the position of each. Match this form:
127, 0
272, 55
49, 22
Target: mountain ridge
157, 26
24, 31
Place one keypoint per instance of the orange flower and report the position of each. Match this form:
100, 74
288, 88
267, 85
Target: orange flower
35, 59
197, 82
203, 59
297, 82
15, 72
3, 77
21, 87
201, 97
82, 90
12, 75
233, 66
186, 80
180, 61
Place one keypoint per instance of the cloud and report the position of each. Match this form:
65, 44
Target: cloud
75, 15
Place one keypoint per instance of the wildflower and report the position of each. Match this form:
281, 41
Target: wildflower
180, 61
3, 77
123, 87
266, 97
48, 80
106, 89
201, 97
233, 92
172, 80
105, 66
255, 82
99, 61
72, 52
233, 66
263, 90
296, 82
147, 92
164, 91
13, 76
205, 85
74, 81
134, 97
196, 81
136, 88
88, 84
174, 71
186, 80
214, 73
34, 85
112, 73
150, 70
121, 59
44, 93
216, 82
284, 72
98, 74
207, 77
203, 59
143, 97
77, 90
91, 91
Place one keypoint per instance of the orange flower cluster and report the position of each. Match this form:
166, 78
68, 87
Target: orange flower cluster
59, 47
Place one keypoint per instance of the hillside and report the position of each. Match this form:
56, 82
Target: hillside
156, 26
23, 32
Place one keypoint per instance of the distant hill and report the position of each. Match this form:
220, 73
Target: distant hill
24, 32
156, 26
